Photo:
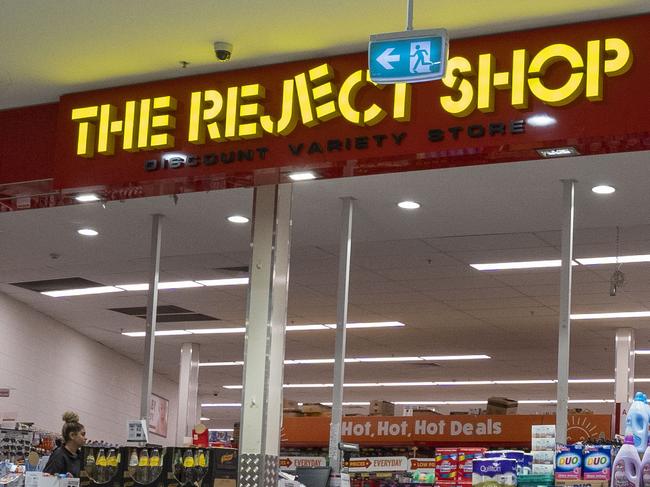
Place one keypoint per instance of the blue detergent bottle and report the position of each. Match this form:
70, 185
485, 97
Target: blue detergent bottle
636, 424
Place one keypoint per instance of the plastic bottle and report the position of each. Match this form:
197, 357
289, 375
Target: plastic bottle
90, 463
143, 467
111, 464
154, 464
637, 421
100, 463
178, 464
133, 459
645, 467
626, 468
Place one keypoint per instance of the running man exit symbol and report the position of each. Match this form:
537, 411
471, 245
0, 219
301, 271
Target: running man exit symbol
421, 57
410, 56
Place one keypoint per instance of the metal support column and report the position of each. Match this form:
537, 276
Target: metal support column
152, 308
188, 393
624, 376
345, 249
261, 415
564, 335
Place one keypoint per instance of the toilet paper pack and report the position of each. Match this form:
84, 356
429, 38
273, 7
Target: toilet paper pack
494, 472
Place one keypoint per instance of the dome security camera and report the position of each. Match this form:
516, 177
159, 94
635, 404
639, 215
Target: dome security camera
223, 51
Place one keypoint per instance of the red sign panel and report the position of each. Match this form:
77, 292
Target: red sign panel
438, 429
504, 96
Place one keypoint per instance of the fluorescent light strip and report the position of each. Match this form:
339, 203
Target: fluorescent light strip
353, 360
448, 383
540, 264
221, 405
531, 264
144, 287
241, 329
224, 282
353, 403
623, 259
440, 403
225, 430
205, 419
435, 403
642, 352
82, 291
609, 316
161, 285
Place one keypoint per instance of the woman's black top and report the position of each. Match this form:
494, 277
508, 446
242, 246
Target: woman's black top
62, 462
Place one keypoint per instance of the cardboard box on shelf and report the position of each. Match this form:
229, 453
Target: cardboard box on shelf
424, 412
381, 408
316, 408
289, 405
501, 405
580, 411
582, 483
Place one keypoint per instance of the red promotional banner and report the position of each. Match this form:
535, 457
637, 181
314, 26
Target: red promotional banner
437, 429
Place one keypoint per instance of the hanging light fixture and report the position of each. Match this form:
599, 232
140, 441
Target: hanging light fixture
618, 277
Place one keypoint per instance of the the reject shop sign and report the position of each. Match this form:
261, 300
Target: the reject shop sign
504, 95
435, 429
291, 463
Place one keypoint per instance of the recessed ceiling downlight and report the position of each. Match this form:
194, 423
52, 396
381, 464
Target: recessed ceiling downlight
88, 232
409, 205
603, 189
87, 197
302, 176
238, 219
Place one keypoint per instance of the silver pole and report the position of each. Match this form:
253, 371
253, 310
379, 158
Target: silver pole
564, 335
152, 308
409, 14
345, 249
624, 374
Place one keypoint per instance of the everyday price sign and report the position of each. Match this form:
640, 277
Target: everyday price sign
378, 464
291, 463
371, 430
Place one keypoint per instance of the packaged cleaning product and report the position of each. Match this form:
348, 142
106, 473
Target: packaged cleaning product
597, 462
465, 458
568, 462
446, 466
626, 467
637, 422
494, 472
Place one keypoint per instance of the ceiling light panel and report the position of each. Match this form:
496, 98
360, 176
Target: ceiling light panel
355, 360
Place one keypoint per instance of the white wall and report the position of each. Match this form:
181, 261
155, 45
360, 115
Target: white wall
53, 368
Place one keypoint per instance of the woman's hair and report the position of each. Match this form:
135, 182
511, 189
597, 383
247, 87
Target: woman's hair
71, 425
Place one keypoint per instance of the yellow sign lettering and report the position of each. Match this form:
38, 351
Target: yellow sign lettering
611, 57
